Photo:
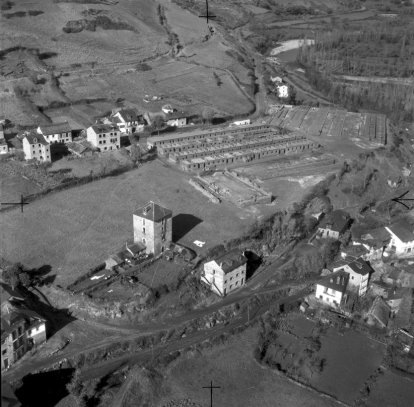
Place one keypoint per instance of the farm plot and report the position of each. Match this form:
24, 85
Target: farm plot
243, 381
76, 229
350, 360
391, 389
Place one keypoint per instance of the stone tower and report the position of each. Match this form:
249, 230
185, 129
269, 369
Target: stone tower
153, 227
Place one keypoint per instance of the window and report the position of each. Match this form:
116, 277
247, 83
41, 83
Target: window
237, 283
4, 351
143, 240
29, 332
225, 281
14, 335
320, 297
20, 329
242, 280
231, 286
352, 277
143, 231
100, 141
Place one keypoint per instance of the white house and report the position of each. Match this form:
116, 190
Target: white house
332, 289
283, 91
4, 149
167, 109
36, 147
128, 121
103, 136
226, 273
240, 123
359, 271
276, 79
333, 225
176, 119
56, 132
402, 239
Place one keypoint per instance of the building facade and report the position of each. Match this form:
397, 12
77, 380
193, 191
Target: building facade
359, 271
4, 149
332, 289
153, 227
402, 240
128, 121
226, 273
36, 147
56, 132
333, 225
103, 136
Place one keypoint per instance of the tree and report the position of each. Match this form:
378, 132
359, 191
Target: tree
15, 275
136, 153
158, 124
207, 114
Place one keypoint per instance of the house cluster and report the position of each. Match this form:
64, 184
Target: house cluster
105, 135
21, 328
367, 265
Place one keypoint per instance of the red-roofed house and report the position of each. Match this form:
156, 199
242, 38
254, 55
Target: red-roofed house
153, 227
402, 239
332, 289
225, 273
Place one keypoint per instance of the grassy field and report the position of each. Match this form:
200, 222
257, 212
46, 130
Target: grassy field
76, 229
242, 381
351, 359
391, 390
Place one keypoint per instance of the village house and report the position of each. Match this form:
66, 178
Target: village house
359, 271
375, 241
56, 132
225, 273
21, 328
103, 136
127, 255
402, 240
333, 225
332, 289
176, 119
153, 227
128, 121
282, 91
36, 147
80, 148
4, 149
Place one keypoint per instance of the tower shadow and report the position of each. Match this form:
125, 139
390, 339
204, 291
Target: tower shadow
182, 224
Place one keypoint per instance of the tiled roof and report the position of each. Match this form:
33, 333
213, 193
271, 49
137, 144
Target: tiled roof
337, 281
153, 212
34, 138
402, 231
55, 128
130, 115
360, 266
231, 260
337, 220
103, 128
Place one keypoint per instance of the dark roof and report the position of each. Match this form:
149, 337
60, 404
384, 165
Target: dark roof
396, 293
79, 147
135, 248
153, 212
34, 138
380, 310
402, 231
360, 266
337, 281
176, 115
103, 128
337, 221
12, 315
55, 128
231, 260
